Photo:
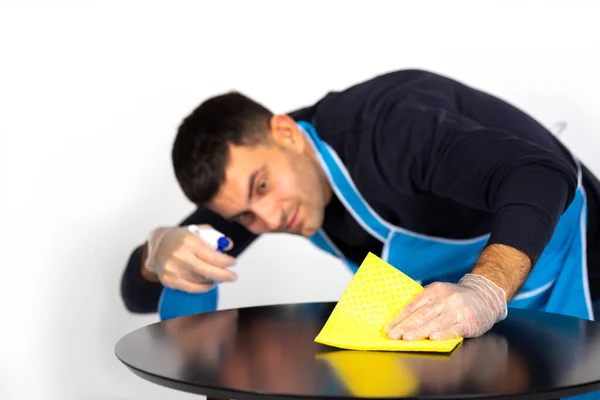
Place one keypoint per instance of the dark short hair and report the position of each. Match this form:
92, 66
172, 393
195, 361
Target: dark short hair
201, 148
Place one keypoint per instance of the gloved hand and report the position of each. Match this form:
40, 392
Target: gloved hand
446, 310
182, 260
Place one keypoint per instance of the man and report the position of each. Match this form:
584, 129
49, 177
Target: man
453, 186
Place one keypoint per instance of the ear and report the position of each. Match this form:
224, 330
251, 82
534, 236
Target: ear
285, 133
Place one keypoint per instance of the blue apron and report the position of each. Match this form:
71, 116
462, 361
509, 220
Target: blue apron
558, 283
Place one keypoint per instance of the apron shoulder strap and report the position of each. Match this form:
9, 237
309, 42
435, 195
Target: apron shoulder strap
344, 187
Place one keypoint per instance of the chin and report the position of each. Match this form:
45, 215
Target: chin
311, 224
306, 233
310, 231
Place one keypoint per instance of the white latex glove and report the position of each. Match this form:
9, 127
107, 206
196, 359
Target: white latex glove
185, 258
446, 310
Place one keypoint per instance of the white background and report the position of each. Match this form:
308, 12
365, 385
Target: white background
90, 97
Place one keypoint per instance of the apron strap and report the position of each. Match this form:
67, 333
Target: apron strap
344, 187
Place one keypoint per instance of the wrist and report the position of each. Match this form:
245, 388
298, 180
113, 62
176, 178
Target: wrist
505, 266
152, 244
492, 294
147, 275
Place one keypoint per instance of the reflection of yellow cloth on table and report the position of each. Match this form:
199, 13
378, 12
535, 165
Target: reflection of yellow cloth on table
372, 374
375, 294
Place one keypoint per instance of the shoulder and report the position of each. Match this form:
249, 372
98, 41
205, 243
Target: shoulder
363, 102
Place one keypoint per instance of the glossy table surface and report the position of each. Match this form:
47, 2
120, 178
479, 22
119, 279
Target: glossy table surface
269, 352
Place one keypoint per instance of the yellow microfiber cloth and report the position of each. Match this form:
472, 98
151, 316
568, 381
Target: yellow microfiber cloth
376, 293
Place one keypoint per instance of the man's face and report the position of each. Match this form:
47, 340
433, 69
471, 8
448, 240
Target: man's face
277, 186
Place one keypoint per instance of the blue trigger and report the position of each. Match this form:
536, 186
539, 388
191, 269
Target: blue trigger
222, 244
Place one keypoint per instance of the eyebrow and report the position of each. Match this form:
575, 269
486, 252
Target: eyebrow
251, 182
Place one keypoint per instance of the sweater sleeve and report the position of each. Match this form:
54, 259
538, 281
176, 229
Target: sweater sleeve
524, 186
141, 296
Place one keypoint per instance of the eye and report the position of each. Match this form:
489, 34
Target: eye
262, 186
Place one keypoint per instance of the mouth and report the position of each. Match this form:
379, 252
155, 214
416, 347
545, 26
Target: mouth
294, 219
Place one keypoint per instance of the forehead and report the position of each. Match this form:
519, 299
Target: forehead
243, 163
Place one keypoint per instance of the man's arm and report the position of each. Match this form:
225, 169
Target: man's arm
524, 186
139, 294
141, 289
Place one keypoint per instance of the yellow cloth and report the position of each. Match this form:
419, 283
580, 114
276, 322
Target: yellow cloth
376, 293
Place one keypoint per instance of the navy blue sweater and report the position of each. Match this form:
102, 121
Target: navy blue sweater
434, 156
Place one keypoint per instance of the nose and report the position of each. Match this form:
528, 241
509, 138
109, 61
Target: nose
270, 213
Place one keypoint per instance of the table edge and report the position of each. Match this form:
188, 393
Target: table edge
248, 395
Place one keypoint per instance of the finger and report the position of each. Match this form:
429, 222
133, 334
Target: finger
215, 273
451, 332
437, 324
422, 318
216, 258
180, 268
176, 281
191, 287
417, 302
445, 326
209, 255
190, 275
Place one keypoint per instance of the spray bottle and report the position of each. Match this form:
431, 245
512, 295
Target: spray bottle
176, 303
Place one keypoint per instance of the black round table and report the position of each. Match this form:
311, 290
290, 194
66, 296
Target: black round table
269, 352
